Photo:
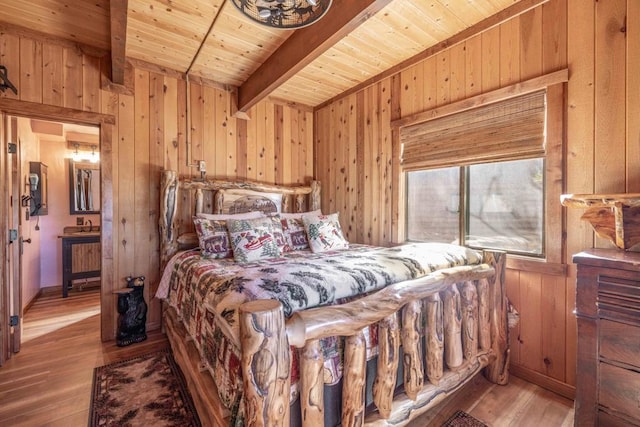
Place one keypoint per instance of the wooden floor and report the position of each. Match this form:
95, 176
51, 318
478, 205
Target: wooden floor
49, 382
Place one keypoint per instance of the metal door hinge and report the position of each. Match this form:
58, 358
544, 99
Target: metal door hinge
13, 148
14, 320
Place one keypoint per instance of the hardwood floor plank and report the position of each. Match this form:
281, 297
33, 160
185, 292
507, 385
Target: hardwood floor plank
49, 382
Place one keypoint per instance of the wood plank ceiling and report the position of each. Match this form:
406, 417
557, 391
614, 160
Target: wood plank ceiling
355, 41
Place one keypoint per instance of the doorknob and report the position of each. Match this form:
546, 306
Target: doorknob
27, 240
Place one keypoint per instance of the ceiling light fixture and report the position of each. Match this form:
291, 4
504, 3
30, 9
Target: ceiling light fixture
284, 14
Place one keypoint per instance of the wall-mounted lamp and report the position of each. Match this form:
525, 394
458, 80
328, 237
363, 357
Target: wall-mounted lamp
94, 156
76, 156
79, 156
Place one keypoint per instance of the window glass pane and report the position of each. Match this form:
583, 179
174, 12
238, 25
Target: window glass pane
506, 206
432, 205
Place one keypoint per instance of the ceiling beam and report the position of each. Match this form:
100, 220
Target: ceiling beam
118, 9
304, 46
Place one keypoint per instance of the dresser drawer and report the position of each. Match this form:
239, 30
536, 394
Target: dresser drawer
608, 420
620, 390
620, 342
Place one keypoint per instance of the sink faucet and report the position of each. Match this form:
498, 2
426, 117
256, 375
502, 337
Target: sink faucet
90, 225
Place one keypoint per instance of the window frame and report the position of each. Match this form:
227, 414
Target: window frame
464, 219
554, 221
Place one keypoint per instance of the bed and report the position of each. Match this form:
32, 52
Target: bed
372, 336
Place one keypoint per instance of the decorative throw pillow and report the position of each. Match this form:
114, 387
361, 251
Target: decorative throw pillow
295, 233
324, 232
278, 233
224, 217
252, 239
213, 238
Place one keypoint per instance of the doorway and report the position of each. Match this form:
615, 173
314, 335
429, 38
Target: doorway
8, 301
59, 212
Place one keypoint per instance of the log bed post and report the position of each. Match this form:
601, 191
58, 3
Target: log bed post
452, 327
412, 345
314, 197
469, 299
497, 371
354, 380
435, 339
312, 384
266, 363
484, 305
388, 358
168, 208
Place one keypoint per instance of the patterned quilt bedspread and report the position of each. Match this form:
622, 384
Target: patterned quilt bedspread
207, 293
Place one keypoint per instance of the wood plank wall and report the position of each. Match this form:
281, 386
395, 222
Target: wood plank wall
275, 146
599, 46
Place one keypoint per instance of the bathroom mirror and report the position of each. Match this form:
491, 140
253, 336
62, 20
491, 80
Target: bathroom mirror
84, 187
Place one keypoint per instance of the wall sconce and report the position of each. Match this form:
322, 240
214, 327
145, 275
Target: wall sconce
76, 156
94, 156
79, 156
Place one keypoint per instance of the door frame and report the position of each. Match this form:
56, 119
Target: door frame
4, 244
14, 251
106, 124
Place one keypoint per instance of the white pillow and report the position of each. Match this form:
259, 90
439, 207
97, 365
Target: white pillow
324, 232
298, 215
224, 217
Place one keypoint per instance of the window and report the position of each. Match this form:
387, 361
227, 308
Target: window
497, 205
487, 171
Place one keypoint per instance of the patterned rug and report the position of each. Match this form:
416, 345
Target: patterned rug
462, 419
148, 390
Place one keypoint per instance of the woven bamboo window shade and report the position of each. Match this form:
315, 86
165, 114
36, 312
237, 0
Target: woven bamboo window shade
505, 130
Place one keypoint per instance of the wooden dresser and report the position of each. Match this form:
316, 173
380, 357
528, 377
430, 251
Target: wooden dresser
608, 312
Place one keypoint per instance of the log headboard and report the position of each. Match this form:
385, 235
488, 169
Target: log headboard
181, 199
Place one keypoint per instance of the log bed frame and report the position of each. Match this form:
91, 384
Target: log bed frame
466, 331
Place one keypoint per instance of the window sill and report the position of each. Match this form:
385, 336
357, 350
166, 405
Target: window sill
515, 262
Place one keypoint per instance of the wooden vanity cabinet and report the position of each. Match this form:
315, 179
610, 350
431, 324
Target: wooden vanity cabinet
81, 259
608, 359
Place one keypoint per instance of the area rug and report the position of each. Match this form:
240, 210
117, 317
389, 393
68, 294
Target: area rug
148, 390
462, 419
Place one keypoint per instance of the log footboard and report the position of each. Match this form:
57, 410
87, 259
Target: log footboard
465, 330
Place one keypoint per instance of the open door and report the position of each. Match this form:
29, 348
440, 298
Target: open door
4, 226
10, 243
15, 239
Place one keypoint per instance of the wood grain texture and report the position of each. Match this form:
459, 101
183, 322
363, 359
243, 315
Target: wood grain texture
5, 335
353, 380
484, 308
497, 371
434, 334
469, 324
540, 42
46, 347
608, 379
412, 348
452, 318
266, 363
138, 147
348, 318
388, 359
312, 384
